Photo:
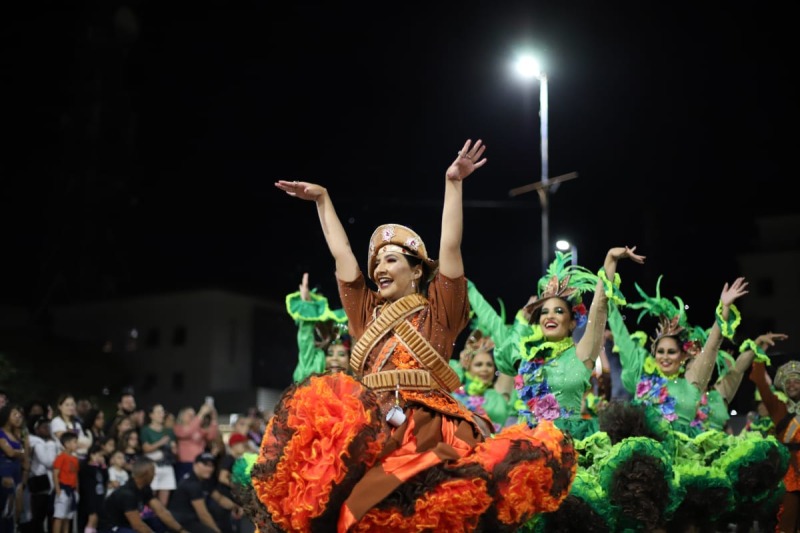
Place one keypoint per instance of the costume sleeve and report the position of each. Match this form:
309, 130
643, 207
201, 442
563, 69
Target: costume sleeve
449, 302
358, 302
507, 355
486, 318
310, 359
776, 408
631, 354
497, 407
729, 384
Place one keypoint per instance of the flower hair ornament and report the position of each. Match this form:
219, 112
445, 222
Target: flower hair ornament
566, 281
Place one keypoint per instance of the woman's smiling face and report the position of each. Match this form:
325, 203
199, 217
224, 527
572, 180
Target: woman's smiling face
394, 275
669, 355
555, 319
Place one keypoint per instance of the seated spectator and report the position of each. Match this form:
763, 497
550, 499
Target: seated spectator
188, 501
122, 512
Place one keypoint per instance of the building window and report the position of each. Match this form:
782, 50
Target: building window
177, 381
153, 338
179, 336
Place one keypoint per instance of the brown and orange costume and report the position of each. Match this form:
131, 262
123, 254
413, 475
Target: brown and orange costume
330, 460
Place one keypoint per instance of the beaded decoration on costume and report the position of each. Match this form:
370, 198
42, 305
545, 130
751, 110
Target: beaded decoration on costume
536, 399
652, 389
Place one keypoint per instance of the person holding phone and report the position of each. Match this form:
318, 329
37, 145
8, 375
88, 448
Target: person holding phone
194, 435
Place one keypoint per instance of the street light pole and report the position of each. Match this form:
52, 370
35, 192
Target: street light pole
544, 192
528, 67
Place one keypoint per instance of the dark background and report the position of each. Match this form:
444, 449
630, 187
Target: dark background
143, 139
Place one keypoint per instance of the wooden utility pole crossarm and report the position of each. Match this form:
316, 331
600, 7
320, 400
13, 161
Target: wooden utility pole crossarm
539, 185
544, 188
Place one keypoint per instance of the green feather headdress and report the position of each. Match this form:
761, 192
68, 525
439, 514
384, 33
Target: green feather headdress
564, 280
671, 316
658, 306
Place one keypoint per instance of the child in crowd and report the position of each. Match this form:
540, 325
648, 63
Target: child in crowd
117, 475
65, 481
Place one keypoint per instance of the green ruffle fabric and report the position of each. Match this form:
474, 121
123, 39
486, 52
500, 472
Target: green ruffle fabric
240, 472
761, 355
593, 448
728, 327
627, 449
586, 488
315, 310
749, 448
613, 293
704, 478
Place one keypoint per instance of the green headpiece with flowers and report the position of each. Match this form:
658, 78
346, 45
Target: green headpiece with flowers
566, 281
672, 317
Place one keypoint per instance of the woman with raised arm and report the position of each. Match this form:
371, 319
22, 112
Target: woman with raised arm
645, 373
396, 451
713, 412
323, 342
553, 372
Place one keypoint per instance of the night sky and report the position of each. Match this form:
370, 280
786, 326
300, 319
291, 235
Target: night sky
143, 140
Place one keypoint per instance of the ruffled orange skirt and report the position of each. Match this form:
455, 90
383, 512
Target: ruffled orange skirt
329, 462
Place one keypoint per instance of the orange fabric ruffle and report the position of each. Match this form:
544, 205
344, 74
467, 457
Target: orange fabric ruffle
313, 459
454, 506
533, 469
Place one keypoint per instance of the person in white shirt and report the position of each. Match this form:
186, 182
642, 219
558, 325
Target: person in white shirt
44, 449
117, 475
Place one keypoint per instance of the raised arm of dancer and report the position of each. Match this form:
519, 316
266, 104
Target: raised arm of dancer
728, 385
451, 264
700, 370
591, 343
338, 243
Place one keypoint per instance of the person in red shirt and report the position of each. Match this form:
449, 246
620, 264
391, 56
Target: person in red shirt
65, 482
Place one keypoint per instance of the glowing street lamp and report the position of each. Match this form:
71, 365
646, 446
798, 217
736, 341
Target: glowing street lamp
565, 245
528, 67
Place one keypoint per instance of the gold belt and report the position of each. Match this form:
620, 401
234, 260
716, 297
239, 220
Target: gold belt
402, 379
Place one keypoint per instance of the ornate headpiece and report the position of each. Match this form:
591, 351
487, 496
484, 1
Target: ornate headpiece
667, 327
329, 333
476, 342
786, 371
671, 319
566, 281
403, 240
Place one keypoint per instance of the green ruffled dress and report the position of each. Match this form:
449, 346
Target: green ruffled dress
642, 378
